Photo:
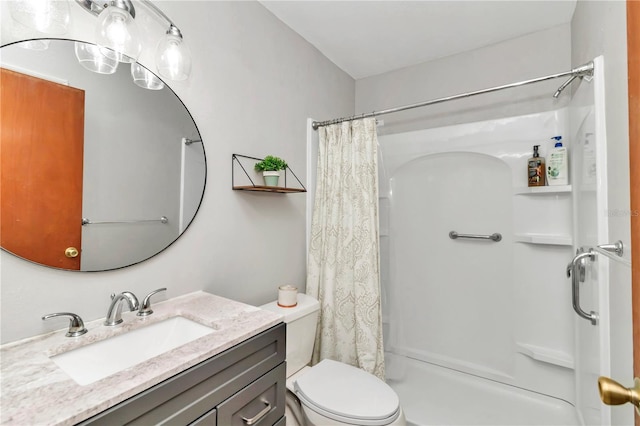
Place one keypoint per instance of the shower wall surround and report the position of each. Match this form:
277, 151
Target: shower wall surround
500, 310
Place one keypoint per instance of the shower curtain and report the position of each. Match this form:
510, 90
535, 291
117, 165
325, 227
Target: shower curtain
344, 267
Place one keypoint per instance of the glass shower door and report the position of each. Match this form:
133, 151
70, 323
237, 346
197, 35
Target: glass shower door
593, 293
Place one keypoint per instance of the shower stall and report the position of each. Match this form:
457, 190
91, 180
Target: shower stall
479, 320
478, 311
477, 306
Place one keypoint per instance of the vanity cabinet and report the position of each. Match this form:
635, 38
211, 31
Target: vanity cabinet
242, 385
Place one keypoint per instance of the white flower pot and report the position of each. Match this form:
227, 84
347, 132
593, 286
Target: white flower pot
271, 178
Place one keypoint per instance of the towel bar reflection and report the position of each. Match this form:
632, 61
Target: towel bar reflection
496, 236
86, 221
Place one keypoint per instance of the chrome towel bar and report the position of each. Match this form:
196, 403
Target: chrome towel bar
496, 236
86, 221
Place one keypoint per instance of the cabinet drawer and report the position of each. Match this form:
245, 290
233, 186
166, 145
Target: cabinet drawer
208, 419
193, 393
261, 403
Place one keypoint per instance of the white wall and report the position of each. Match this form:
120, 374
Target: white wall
253, 85
600, 28
483, 165
530, 56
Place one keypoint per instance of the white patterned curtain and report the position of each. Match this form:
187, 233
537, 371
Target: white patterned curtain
344, 267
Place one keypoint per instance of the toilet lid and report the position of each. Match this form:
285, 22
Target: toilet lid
348, 394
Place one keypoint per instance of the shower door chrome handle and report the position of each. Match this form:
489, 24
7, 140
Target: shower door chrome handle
575, 270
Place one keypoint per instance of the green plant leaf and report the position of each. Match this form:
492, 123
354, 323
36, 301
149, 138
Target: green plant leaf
271, 163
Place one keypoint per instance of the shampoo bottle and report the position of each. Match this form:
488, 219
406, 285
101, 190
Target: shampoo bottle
536, 169
557, 166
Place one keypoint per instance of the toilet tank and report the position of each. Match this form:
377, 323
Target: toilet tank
301, 323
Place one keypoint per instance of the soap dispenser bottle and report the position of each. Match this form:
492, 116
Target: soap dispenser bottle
536, 169
557, 166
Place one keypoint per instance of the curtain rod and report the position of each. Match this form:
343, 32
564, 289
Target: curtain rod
581, 71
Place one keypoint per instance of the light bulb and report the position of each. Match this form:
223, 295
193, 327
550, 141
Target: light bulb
46, 16
173, 57
117, 34
91, 58
145, 78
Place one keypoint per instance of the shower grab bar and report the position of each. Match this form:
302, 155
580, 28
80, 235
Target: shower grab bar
576, 271
86, 221
496, 236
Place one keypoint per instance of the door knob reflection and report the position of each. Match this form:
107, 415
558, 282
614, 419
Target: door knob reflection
71, 252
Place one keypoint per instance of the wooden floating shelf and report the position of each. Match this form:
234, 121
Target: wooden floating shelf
262, 188
235, 159
536, 190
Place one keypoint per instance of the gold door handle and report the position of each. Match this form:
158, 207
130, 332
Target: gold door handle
71, 252
613, 393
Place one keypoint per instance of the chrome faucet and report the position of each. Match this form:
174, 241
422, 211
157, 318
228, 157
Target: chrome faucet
114, 314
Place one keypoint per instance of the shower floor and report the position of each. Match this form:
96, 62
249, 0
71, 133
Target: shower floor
433, 395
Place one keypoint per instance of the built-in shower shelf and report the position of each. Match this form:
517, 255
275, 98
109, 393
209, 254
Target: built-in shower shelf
546, 239
550, 356
536, 190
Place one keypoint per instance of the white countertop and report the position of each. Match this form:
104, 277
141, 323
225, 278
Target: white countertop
35, 391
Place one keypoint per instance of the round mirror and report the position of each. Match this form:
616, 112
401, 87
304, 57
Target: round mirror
98, 172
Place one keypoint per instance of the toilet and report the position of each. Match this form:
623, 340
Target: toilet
330, 392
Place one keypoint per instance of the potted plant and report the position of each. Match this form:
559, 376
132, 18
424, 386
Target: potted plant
270, 168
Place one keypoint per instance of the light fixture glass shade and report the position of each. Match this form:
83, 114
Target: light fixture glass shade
173, 57
117, 34
91, 58
36, 44
145, 78
46, 16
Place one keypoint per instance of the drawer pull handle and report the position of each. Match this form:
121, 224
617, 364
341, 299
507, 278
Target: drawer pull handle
255, 419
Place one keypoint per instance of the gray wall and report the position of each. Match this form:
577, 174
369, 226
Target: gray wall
253, 86
533, 55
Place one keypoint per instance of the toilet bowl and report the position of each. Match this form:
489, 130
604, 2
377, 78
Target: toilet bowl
330, 392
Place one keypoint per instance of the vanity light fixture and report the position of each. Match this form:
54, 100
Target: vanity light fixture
173, 58
45, 16
91, 58
117, 34
145, 79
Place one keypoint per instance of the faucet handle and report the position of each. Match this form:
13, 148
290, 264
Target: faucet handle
145, 307
76, 326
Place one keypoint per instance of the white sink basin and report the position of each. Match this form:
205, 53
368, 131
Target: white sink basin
101, 359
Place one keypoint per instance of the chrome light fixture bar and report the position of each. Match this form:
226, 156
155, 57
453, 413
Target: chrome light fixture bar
117, 35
